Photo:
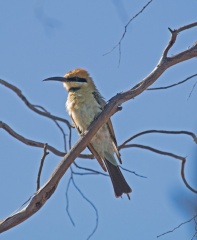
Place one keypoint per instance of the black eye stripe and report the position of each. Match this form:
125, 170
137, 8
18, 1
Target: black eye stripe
74, 89
76, 79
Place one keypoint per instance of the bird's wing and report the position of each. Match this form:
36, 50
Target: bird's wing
91, 148
112, 134
100, 100
99, 159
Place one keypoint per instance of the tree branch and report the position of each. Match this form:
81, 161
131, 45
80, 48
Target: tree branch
182, 159
91, 204
125, 30
173, 85
45, 192
44, 112
159, 131
192, 90
45, 153
174, 34
193, 218
37, 144
32, 106
28, 141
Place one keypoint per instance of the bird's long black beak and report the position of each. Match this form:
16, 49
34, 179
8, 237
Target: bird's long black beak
59, 79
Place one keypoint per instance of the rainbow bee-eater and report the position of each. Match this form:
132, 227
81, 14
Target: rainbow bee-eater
84, 104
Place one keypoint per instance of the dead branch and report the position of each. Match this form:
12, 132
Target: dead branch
28, 141
159, 131
89, 170
45, 153
50, 148
192, 90
58, 125
45, 192
125, 30
173, 85
193, 218
91, 204
174, 34
67, 201
182, 159
154, 150
127, 170
71, 180
33, 107
44, 112
37, 144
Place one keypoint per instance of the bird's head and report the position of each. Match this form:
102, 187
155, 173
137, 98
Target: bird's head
75, 79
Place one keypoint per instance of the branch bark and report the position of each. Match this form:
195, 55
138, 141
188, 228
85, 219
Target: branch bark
32, 143
45, 192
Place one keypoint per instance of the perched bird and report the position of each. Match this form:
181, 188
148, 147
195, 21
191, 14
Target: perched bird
83, 104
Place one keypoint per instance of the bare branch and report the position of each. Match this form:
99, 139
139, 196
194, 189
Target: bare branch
123, 145
44, 112
90, 170
45, 153
192, 90
154, 150
195, 234
37, 144
67, 201
33, 107
44, 193
193, 218
58, 125
95, 209
125, 30
28, 141
127, 170
183, 160
71, 179
159, 131
174, 34
173, 85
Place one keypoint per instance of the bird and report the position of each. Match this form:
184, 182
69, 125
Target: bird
84, 104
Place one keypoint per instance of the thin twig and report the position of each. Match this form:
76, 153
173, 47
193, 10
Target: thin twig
154, 150
193, 218
67, 201
37, 144
125, 30
195, 234
58, 125
84, 174
93, 206
32, 106
28, 141
182, 159
45, 153
90, 170
127, 170
159, 131
173, 85
192, 90
44, 112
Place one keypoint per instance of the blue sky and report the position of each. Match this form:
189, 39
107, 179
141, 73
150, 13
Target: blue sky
40, 39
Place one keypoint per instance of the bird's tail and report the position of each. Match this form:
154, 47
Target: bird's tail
119, 183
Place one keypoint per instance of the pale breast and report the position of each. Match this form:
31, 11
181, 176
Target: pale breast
82, 110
